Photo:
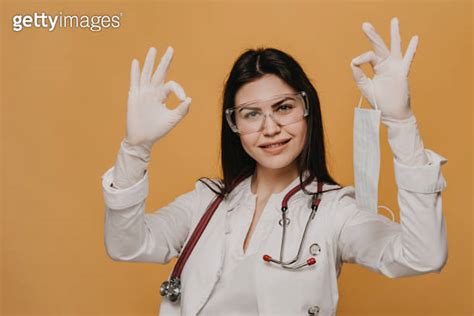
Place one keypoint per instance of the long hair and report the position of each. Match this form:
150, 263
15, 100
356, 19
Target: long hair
235, 162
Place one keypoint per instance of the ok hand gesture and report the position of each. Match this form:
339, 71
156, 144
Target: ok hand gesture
388, 89
148, 118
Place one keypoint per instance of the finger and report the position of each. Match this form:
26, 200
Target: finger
367, 57
163, 66
148, 66
183, 108
395, 38
172, 86
410, 53
377, 42
134, 75
357, 72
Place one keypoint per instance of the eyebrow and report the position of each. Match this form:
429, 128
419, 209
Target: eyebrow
240, 107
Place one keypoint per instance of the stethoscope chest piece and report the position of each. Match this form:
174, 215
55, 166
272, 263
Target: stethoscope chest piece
171, 289
314, 249
313, 310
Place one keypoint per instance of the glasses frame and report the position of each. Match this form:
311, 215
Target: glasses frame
230, 111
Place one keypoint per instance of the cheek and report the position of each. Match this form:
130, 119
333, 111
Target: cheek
248, 142
298, 132
299, 138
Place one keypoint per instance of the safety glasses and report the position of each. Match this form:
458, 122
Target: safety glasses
284, 109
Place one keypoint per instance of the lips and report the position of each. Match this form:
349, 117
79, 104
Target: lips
269, 145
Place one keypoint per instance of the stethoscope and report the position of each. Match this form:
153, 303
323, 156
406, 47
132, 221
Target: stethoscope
284, 222
172, 287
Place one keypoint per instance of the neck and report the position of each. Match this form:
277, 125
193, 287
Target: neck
267, 181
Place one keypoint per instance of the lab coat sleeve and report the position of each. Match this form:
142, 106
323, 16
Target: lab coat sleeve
130, 165
405, 141
415, 246
130, 234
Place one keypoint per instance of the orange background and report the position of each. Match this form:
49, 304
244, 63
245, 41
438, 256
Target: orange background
63, 99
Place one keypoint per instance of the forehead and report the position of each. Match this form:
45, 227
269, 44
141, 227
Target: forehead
262, 89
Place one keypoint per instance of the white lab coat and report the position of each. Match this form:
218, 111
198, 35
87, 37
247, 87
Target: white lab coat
418, 245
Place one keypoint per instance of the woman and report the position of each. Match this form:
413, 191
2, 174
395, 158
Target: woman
273, 153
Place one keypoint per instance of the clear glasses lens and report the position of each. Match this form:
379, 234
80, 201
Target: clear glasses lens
285, 110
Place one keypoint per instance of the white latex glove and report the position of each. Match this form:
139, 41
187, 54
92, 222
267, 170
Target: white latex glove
391, 70
148, 118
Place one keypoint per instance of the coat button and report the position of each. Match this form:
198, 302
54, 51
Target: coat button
313, 310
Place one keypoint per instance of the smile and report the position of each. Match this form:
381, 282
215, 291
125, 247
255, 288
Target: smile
275, 148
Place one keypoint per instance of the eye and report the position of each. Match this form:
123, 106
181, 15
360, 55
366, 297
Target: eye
252, 114
284, 107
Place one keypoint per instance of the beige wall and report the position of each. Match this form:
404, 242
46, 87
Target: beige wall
63, 117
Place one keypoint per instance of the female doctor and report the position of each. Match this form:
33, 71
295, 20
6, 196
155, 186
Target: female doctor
276, 242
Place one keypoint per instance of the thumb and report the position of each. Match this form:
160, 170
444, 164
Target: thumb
357, 72
183, 108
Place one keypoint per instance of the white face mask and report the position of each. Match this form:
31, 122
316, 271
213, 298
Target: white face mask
367, 156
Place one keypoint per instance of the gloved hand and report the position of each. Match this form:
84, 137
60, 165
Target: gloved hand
148, 118
391, 70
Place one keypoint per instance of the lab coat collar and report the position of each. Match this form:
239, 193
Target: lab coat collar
200, 283
243, 192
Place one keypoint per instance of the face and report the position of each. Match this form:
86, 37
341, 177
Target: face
279, 157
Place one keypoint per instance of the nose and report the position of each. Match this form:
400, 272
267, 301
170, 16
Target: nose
270, 126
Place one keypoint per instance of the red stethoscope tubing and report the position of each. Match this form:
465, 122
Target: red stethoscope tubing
172, 287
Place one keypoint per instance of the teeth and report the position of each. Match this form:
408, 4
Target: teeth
274, 145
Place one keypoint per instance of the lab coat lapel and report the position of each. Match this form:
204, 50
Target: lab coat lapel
205, 264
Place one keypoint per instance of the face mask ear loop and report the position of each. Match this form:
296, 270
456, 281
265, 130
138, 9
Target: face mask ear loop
360, 100
373, 91
388, 209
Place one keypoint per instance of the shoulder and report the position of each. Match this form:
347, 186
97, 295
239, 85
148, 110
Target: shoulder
336, 196
195, 197
343, 197
341, 204
337, 202
204, 187
209, 188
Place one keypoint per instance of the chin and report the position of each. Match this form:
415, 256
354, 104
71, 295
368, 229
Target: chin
274, 162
